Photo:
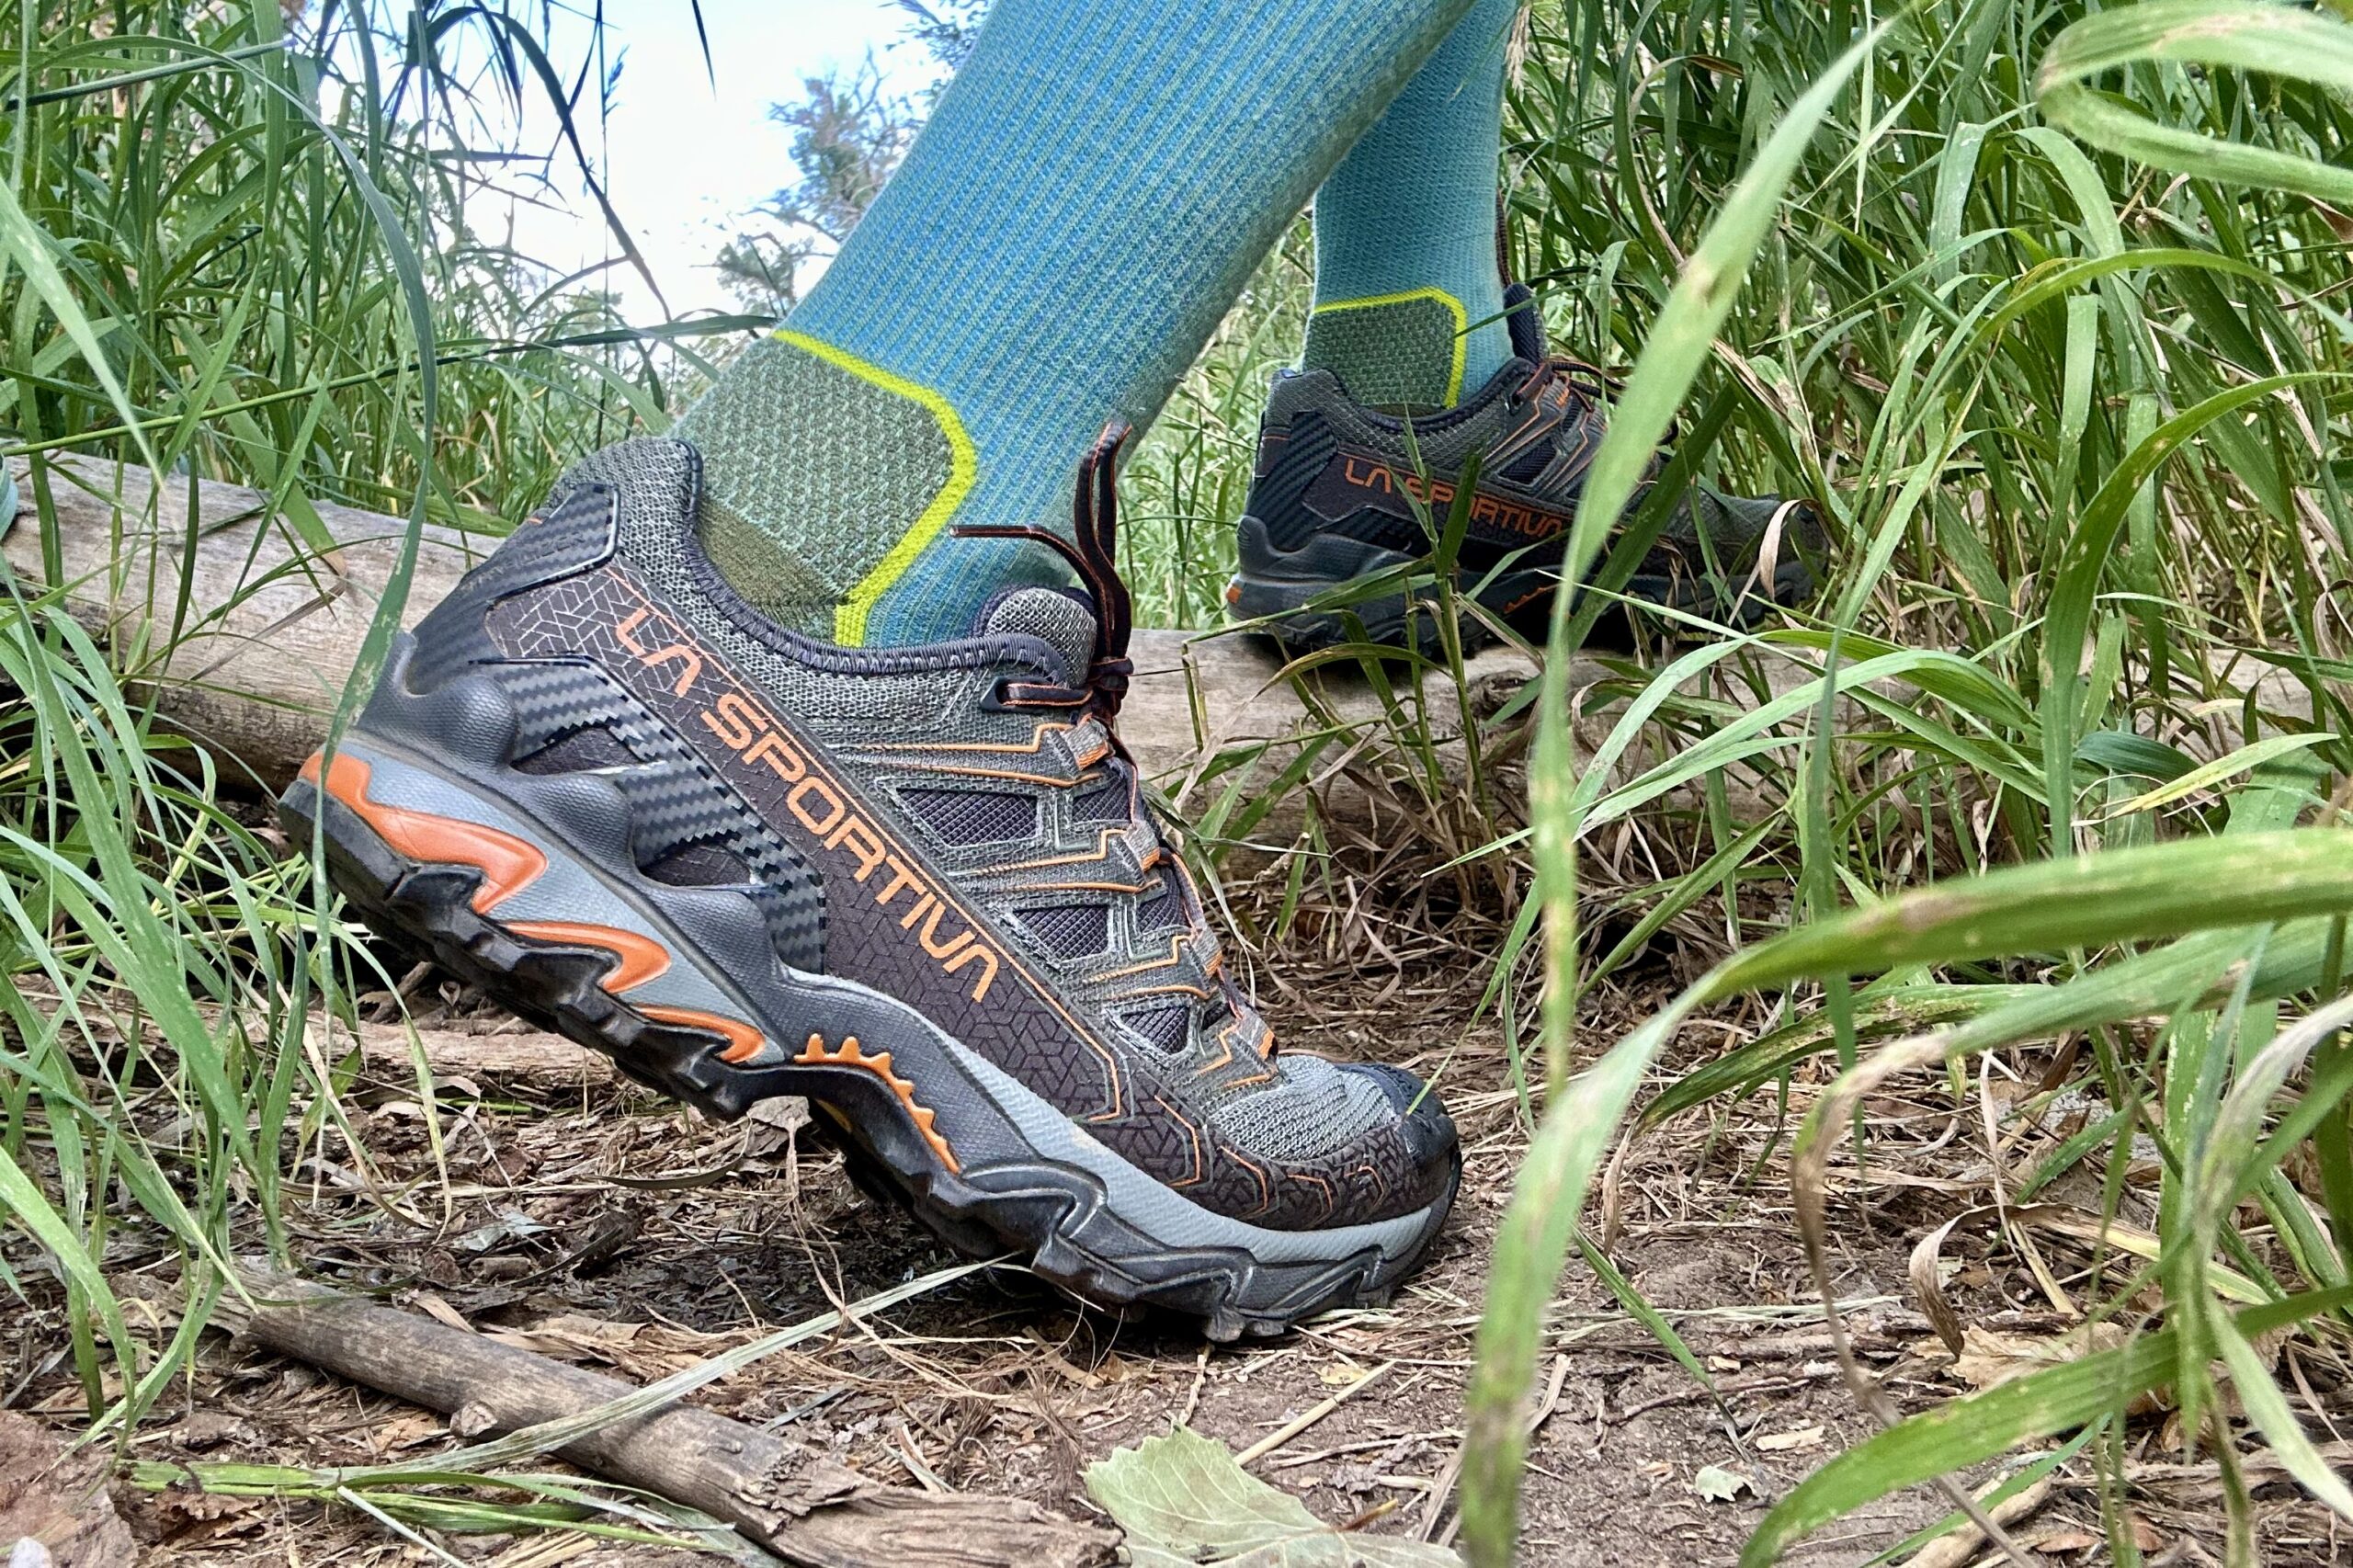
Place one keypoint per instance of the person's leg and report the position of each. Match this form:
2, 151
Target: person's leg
1408, 299
1088, 200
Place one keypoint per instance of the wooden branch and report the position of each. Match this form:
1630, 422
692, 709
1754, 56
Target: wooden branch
794, 1501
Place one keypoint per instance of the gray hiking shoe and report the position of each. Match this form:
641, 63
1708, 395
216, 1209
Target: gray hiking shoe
917, 885
1333, 497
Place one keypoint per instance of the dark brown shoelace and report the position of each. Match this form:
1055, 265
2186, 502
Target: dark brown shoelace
1095, 528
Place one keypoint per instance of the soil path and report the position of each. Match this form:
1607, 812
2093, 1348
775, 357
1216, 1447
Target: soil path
594, 1222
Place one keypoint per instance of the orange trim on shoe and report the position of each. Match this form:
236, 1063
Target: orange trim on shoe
642, 957
744, 1041
815, 1054
507, 864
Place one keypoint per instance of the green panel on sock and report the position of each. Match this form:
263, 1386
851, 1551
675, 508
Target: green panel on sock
817, 468
1392, 351
772, 579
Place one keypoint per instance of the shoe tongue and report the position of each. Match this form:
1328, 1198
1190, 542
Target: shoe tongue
1524, 320
1062, 619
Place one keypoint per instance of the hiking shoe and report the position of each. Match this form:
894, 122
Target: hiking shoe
917, 885
1334, 493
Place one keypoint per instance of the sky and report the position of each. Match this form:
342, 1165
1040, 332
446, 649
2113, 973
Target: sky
689, 148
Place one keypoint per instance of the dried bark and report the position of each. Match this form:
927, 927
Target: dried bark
803, 1505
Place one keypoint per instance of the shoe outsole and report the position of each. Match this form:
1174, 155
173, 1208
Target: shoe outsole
430, 907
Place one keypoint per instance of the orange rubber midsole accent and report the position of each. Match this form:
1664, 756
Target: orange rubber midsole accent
507, 864
743, 1040
815, 1054
642, 957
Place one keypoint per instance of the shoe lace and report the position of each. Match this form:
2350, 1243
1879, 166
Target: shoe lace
1091, 553
1562, 391
1576, 376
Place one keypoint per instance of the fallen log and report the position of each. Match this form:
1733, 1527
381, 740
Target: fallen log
534, 1056
803, 1505
274, 626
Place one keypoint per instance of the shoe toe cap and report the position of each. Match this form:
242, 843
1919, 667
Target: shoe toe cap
1422, 1121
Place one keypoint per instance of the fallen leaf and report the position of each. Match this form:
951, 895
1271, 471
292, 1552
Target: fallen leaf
1717, 1485
1788, 1442
511, 1225
210, 1428
2339, 223
1989, 1358
1722, 1364
569, 1336
1183, 1500
774, 1123
1339, 1374
404, 1431
2062, 1540
441, 1311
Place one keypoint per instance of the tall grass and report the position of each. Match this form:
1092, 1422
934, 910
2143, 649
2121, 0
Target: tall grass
234, 245
2072, 416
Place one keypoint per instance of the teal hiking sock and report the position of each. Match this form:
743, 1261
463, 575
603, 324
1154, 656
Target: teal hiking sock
1088, 200
1408, 298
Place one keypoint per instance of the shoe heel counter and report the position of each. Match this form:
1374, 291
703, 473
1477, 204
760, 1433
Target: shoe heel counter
574, 533
1293, 450
552, 735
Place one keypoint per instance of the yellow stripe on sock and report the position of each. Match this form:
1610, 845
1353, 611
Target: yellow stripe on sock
963, 468
1405, 297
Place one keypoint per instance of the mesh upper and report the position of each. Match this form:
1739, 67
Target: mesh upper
1314, 1109
1135, 952
1061, 620
1167, 1026
1069, 930
965, 817
1162, 910
1106, 802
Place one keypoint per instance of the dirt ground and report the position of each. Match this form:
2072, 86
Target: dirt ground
591, 1221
